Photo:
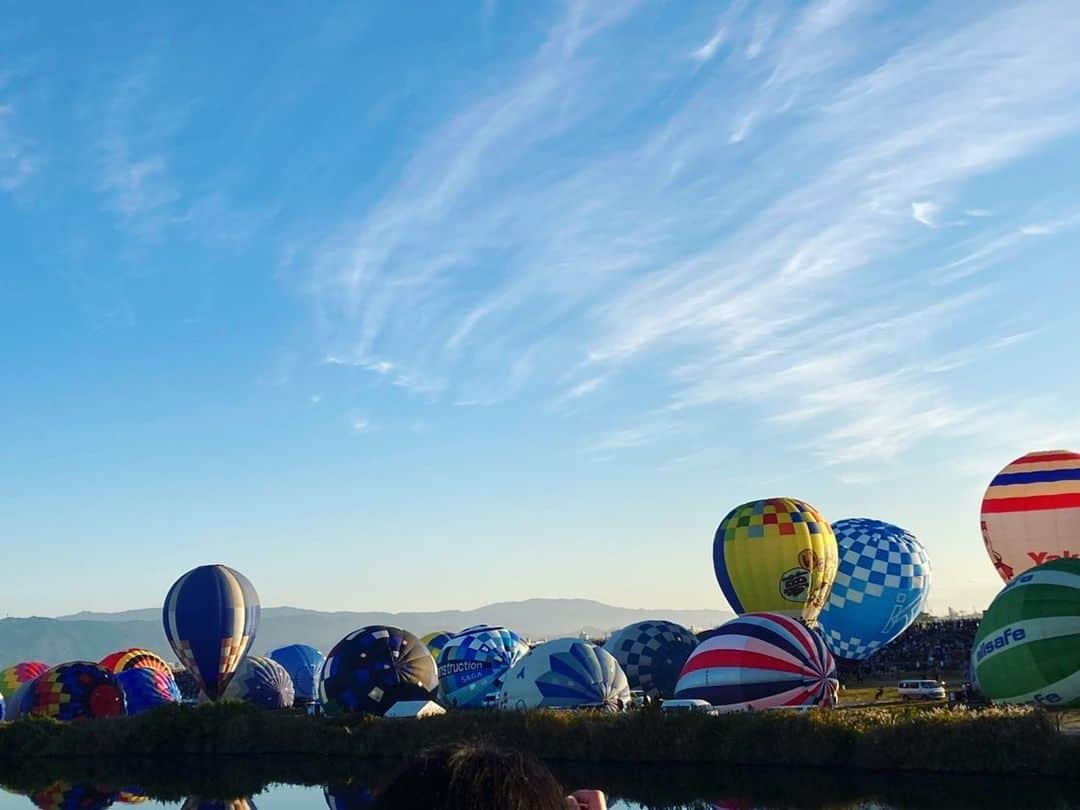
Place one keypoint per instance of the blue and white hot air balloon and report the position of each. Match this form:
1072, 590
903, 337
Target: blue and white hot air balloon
474, 662
262, 682
303, 663
210, 615
566, 673
881, 586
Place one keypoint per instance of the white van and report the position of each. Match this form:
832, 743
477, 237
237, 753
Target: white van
921, 690
686, 705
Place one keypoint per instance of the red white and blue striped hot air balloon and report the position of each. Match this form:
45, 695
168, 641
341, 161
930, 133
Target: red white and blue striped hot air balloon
760, 661
1031, 512
210, 617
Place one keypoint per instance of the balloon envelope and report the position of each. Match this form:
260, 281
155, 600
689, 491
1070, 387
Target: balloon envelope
474, 662
17, 701
373, 668
775, 555
146, 688
74, 691
65, 796
436, 641
881, 587
210, 615
303, 663
652, 654
1031, 512
760, 661
262, 682
565, 673
16, 675
1027, 648
134, 658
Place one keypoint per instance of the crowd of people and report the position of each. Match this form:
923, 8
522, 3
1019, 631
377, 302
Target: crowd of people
926, 649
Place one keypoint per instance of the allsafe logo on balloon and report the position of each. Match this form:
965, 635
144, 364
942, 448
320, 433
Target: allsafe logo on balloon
999, 642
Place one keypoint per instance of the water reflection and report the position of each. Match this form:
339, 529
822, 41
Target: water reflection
628, 788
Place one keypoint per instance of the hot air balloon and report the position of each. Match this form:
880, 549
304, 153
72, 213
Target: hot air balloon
73, 691
881, 587
652, 654
566, 673
210, 615
436, 641
474, 661
373, 668
1027, 648
760, 661
262, 682
17, 701
134, 658
65, 796
1031, 512
776, 555
303, 663
16, 675
146, 688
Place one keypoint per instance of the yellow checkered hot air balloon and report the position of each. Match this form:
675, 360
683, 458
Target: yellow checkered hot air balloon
777, 555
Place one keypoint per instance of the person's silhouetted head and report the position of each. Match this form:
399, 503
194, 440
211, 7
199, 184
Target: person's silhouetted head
473, 778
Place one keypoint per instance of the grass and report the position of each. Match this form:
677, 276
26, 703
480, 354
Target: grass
929, 739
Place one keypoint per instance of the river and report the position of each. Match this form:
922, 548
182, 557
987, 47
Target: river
628, 788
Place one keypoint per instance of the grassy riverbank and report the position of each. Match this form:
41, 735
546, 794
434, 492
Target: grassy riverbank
994, 741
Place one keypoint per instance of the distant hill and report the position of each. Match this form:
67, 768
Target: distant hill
91, 636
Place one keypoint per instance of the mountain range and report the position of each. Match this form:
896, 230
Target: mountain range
91, 636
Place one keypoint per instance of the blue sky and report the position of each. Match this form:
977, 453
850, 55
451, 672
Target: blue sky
430, 305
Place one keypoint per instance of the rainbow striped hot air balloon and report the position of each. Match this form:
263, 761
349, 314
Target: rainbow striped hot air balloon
1031, 512
1027, 648
760, 661
134, 658
210, 615
777, 555
16, 675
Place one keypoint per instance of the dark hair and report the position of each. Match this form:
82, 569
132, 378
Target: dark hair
468, 777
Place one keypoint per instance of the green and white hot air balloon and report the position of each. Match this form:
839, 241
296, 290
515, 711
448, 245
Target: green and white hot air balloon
1027, 649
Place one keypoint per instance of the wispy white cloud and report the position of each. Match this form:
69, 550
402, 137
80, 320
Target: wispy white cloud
360, 424
925, 212
708, 50
767, 270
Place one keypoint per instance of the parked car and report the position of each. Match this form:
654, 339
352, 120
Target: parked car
921, 690
686, 705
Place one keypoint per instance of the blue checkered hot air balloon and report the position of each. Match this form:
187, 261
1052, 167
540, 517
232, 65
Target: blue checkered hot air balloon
881, 586
210, 615
652, 654
474, 662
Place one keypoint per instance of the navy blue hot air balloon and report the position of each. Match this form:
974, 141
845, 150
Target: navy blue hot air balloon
373, 668
303, 663
147, 689
211, 614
